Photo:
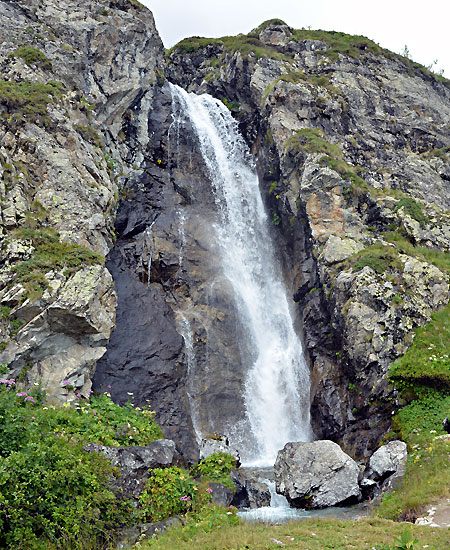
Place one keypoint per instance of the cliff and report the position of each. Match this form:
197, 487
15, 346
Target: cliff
351, 144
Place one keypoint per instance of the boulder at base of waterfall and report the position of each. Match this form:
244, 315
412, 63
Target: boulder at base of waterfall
316, 475
218, 444
221, 495
249, 493
134, 464
387, 460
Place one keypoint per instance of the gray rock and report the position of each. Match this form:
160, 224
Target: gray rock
221, 495
388, 460
249, 493
134, 464
316, 475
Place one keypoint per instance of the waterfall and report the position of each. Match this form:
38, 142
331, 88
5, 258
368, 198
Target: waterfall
277, 385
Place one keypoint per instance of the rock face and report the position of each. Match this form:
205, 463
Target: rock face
61, 154
316, 475
352, 151
134, 464
249, 493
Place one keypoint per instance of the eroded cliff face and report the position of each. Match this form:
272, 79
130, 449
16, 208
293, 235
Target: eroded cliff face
71, 74
351, 144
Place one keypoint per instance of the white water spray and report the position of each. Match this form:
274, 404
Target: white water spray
277, 386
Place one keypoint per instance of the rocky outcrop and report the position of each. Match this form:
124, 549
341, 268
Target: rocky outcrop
316, 475
134, 463
218, 444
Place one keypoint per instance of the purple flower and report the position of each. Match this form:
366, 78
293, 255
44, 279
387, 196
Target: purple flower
29, 398
209, 490
78, 395
21, 394
65, 383
185, 498
109, 386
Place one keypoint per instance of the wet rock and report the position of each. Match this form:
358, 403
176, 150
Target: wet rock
134, 464
316, 475
249, 493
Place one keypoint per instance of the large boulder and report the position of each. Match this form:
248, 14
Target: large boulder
134, 464
388, 459
316, 474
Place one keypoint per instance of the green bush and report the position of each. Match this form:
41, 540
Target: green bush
168, 492
217, 468
52, 493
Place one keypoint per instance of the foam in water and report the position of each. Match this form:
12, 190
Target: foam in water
277, 386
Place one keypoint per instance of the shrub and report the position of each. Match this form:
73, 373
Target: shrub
52, 493
217, 468
51, 490
168, 492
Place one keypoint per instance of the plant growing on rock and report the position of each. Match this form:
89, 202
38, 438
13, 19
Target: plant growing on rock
168, 492
217, 468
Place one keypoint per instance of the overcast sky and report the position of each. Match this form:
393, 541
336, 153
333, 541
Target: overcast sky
422, 26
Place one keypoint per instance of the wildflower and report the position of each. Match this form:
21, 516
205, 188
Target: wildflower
185, 498
65, 383
129, 392
109, 386
78, 395
66, 405
29, 398
21, 394
209, 490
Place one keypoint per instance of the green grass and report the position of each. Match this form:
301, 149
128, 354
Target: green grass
427, 477
379, 257
245, 44
32, 56
27, 101
49, 254
368, 534
427, 361
413, 208
313, 140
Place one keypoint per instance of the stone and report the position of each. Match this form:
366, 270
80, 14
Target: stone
221, 495
134, 464
249, 493
388, 460
338, 249
316, 475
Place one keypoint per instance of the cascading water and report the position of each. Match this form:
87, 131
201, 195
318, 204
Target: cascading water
277, 384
